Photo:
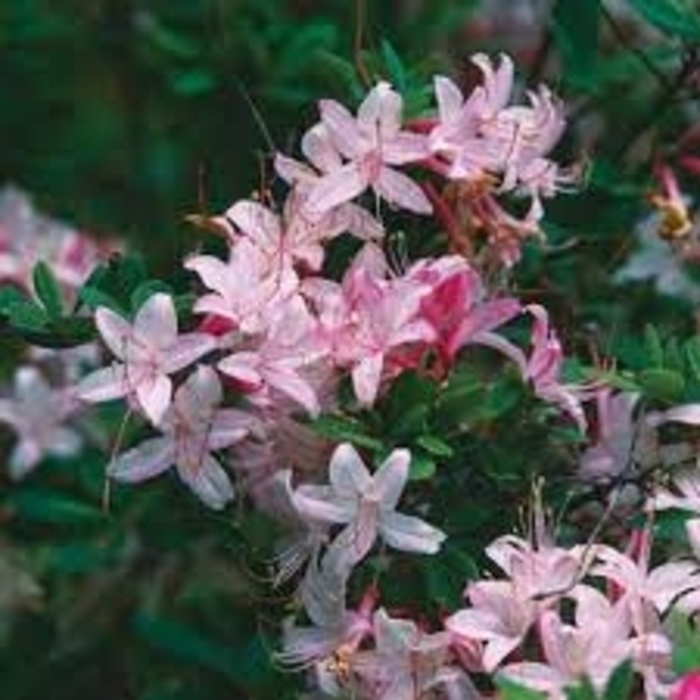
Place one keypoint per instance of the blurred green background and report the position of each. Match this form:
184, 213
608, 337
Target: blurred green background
126, 115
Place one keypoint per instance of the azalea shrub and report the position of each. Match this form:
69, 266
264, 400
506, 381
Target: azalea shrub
415, 419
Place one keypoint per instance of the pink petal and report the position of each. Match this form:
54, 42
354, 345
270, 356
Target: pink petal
405, 147
229, 427
289, 382
379, 115
256, 221
398, 189
185, 350
366, 377
342, 128
154, 395
317, 147
449, 99
337, 187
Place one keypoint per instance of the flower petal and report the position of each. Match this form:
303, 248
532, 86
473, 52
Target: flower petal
147, 460
398, 189
410, 534
156, 323
115, 331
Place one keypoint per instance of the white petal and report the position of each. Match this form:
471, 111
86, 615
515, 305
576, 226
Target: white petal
349, 476
390, 479
210, 482
319, 503
410, 534
147, 460
115, 331
103, 385
156, 322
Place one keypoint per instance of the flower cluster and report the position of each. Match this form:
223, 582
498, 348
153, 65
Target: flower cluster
283, 333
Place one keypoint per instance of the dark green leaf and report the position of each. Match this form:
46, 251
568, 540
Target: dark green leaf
620, 683
53, 507
576, 33
675, 17
422, 467
47, 290
342, 429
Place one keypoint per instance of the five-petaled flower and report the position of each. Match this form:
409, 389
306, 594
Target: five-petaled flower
148, 352
366, 504
193, 428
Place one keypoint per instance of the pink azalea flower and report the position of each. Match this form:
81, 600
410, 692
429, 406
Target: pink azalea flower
592, 648
370, 143
366, 504
406, 662
499, 617
503, 612
193, 427
458, 136
335, 630
456, 307
295, 237
148, 352
278, 361
37, 413
246, 289
365, 319
28, 237
649, 591
544, 367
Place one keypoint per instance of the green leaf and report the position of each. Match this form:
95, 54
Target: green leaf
686, 644
435, 446
27, 315
47, 290
248, 666
678, 18
663, 384
422, 467
653, 347
394, 66
446, 574
9, 296
343, 429
508, 690
193, 83
408, 405
576, 34
691, 351
583, 691
620, 684
54, 508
